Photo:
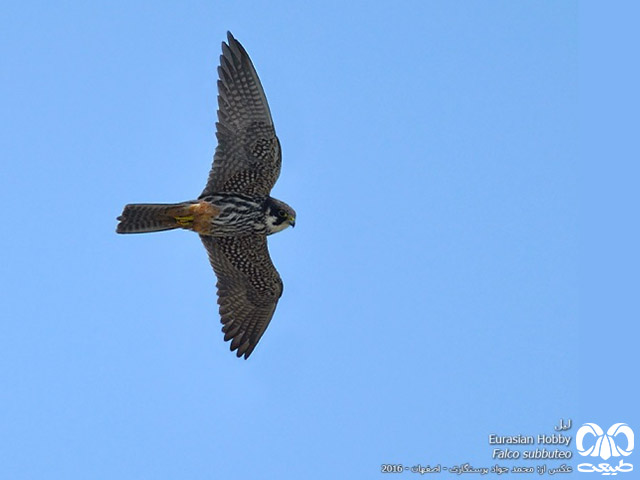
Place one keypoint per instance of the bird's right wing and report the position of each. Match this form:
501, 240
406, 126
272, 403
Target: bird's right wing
248, 156
249, 288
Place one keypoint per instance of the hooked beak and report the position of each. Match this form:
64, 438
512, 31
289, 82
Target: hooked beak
291, 220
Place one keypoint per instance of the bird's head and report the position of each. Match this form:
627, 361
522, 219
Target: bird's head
279, 216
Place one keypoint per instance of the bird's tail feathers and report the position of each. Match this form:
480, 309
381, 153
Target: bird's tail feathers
155, 217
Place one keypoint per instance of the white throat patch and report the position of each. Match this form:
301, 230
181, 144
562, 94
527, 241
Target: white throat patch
272, 227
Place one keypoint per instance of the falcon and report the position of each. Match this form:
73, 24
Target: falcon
234, 214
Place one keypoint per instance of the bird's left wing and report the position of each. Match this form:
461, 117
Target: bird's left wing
248, 156
249, 287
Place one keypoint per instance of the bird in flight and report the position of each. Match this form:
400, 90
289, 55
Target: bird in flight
234, 214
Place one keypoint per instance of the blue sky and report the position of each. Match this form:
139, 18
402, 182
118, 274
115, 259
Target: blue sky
464, 261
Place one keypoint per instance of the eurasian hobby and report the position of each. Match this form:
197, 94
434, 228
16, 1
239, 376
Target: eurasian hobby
234, 213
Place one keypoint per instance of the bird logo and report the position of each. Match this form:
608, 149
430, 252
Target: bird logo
605, 445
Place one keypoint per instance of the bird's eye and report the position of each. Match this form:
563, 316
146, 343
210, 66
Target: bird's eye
282, 213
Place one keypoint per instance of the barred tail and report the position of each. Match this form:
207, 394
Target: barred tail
153, 217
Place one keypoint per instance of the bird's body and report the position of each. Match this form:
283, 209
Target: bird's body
235, 213
217, 215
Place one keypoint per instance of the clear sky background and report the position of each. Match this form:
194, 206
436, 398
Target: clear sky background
464, 262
